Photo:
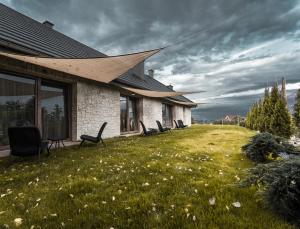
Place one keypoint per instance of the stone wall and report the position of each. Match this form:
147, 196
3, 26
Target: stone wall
152, 111
97, 104
187, 116
178, 113
183, 113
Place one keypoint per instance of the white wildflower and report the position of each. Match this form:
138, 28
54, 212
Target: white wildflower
194, 218
53, 215
113, 198
237, 204
71, 195
18, 221
2, 212
212, 201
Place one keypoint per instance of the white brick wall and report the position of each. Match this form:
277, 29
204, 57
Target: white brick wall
152, 111
178, 112
183, 113
97, 104
187, 116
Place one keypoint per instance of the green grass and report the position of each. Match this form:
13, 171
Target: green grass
162, 181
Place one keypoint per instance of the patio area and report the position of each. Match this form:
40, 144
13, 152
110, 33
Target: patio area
182, 179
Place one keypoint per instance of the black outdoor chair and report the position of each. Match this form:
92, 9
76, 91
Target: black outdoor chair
176, 125
94, 139
161, 128
148, 132
180, 123
26, 141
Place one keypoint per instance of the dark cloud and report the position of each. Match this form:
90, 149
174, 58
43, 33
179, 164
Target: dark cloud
230, 46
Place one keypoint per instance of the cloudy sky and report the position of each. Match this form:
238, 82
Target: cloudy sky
232, 49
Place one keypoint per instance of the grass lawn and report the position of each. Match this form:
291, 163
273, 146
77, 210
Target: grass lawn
162, 181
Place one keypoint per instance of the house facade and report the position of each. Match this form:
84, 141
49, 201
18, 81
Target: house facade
66, 106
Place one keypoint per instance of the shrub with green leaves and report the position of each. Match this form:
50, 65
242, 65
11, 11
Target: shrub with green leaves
265, 145
279, 185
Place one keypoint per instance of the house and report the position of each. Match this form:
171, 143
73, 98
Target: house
234, 119
68, 100
230, 118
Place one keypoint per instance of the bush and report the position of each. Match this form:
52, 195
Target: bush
281, 186
265, 145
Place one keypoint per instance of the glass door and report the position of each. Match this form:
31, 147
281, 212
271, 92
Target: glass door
123, 113
128, 114
167, 115
17, 103
54, 111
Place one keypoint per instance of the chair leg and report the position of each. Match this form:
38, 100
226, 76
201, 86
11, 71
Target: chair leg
102, 142
40, 153
81, 142
48, 151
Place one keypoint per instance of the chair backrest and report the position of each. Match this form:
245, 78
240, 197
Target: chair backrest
143, 126
176, 124
101, 130
24, 137
159, 126
180, 123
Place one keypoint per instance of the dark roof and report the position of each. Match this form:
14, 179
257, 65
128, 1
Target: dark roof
22, 30
28, 33
147, 82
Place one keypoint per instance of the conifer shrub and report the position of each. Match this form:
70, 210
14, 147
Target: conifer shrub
265, 145
279, 186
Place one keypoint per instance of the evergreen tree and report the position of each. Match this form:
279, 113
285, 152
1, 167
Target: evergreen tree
266, 113
272, 115
297, 110
281, 121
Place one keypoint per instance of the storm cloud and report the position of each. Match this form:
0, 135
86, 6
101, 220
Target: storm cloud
228, 46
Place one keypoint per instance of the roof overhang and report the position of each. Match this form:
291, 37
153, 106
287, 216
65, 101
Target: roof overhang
101, 69
190, 104
157, 94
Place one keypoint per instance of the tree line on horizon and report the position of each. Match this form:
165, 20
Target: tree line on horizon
271, 114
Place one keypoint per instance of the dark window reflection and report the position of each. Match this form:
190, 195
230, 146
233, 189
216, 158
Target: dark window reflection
54, 118
166, 115
123, 113
128, 113
17, 103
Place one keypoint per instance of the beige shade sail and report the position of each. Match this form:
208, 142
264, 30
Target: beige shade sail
101, 69
157, 94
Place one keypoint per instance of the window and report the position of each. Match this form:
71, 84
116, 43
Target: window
32, 102
17, 103
128, 114
54, 111
167, 115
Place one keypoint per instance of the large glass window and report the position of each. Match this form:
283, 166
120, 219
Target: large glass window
167, 115
54, 111
17, 103
128, 113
